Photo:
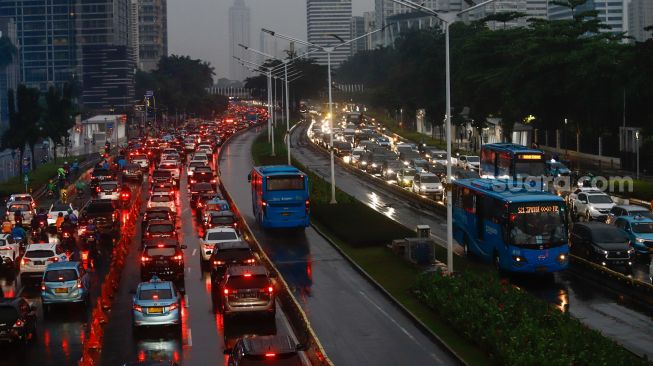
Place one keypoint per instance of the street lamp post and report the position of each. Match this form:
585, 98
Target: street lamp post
328, 50
566, 142
637, 147
448, 19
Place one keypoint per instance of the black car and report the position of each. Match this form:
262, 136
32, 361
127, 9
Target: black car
159, 229
603, 244
105, 214
265, 350
99, 175
17, 321
227, 254
220, 218
163, 258
161, 176
132, 171
203, 174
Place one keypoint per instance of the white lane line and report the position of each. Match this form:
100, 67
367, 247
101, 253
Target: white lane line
399, 326
190, 338
186, 301
194, 252
188, 270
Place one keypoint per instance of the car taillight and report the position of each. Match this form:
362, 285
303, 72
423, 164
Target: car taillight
24, 261
214, 180
66, 235
49, 216
98, 189
270, 355
42, 286
19, 323
193, 181
264, 205
54, 259
308, 205
79, 283
137, 308
226, 291
178, 257
218, 263
145, 259
270, 289
173, 306
250, 261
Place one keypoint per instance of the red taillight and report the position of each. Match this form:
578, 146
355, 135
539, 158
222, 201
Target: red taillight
178, 257
42, 286
173, 306
24, 261
214, 180
98, 189
19, 323
145, 259
308, 205
137, 308
250, 261
52, 260
270, 289
66, 235
193, 181
247, 275
79, 284
270, 355
226, 291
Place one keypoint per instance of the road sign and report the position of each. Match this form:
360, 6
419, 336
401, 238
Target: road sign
149, 93
26, 179
110, 126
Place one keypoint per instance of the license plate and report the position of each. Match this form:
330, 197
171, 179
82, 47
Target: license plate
39, 263
61, 290
155, 310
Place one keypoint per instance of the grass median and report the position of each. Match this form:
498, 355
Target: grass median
363, 234
37, 177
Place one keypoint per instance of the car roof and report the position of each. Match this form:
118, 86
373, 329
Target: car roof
278, 344
40, 246
221, 213
155, 285
21, 195
109, 182
632, 207
241, 270
20, 202
636, 218
159, 222
62, 265
235, 244
159, 209
592, 193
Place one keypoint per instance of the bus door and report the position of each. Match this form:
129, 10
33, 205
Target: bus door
480, 215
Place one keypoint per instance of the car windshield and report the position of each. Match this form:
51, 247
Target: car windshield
643, 213
473, 159
430, 179
608, 234
228, 220
60, 275
222, 235
599, 198
160, 198
161, 228
217, 207
528, 168
155, 294
18, 207
8, 314
642, 227
43, 253
160, 251
537, 224
285, 183
161, 174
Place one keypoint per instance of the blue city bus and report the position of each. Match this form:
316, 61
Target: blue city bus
511, 161
515, 228
280, 196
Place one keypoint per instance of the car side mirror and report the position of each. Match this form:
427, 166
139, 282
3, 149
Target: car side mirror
583, 201
249, 178
183, 246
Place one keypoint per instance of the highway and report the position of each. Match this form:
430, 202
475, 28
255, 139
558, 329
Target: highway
354, 322
613, 314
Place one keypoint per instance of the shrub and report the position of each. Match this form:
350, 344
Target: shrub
515, 327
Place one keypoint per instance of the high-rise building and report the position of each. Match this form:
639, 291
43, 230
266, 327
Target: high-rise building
640, 16
326, 19
267, 45
46, 36
134, 38
152, 32
611, 13
239, 27
9, 75
107, 61
358, 30
369, 24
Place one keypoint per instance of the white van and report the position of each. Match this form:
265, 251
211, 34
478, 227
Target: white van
428, 184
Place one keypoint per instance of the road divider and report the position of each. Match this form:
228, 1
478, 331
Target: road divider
292, 309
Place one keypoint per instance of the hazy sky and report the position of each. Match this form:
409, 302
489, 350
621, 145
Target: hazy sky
200, 28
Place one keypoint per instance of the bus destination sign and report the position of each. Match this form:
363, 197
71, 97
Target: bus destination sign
529, 156
537, 209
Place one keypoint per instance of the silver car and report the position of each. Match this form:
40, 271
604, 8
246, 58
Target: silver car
156, 303
64, 283
247, 289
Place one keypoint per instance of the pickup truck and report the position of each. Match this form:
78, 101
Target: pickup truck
104, 213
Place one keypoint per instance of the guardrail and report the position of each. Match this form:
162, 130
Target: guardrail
293, 310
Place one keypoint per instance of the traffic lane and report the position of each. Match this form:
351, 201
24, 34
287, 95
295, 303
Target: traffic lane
355, 323
589, 302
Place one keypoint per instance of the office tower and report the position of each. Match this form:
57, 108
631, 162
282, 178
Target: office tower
238, 34
640, 16
8, 75
45, 32
327, 25
369, 24
152, 32
107, 62
134, 38
611, 13
358, 30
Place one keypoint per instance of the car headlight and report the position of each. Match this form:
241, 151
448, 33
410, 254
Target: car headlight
423, 187
373, 165
631, 250
562, 258
640, 240
406, 180
363, 162
406, 163
389, 171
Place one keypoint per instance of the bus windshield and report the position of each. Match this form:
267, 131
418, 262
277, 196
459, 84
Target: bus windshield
285, 183
529, 168
537, 223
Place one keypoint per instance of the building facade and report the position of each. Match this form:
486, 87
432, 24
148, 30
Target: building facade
46, 36
612, 13
326, 19
134, 38
153, 33
640, 16
239, 33
358, 30
10, 74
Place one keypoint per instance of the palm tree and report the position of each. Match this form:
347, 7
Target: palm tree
7, 52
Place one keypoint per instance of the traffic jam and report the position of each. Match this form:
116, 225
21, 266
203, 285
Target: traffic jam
56, 252
612, 235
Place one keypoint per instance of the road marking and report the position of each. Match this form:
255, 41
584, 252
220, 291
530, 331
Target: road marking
190, 338
188, 270
186, 301
194, 252
398, 325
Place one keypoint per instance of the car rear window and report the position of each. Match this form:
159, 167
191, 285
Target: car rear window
165, 251
16, 207
196, 164
139, 157
158, 294
161, 198
8, 315
101, 173
60, 207
39, 253
60, 275
160, 228
161, 174
222, 235
222, 220
108, 186
255, 281
99, 207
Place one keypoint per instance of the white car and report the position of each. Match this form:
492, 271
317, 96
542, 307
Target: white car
37, 257
592, 206
162, 199
23, 197
141, 160
9, 252
26, 210
194, 164
214, 236
469, 162
58, 207
200, 157
109, 190
428, 184
172, 167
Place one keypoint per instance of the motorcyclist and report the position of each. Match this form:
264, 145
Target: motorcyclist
52, 187
59, 221
72, 217
80, 187
40, 220
18, 232
52, 236
91, 231
75, 167
125, 194
18, 218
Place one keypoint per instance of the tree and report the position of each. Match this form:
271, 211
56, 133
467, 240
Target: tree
504, 17
24, 115
7, 52
58, 119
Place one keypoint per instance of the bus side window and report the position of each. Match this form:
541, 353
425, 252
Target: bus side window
480, 215
503, 164
468, 200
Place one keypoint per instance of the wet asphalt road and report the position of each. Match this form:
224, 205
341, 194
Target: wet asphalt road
204, 333
355, 323
608, 312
